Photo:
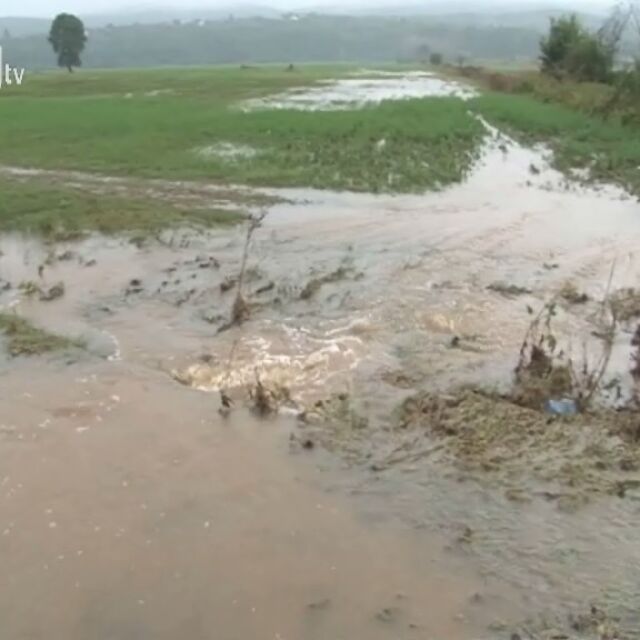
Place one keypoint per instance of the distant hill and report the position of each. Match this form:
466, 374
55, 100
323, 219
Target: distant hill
478, 7
537, 19
19, 26
146, 37
307, 39
168, 15
525, 14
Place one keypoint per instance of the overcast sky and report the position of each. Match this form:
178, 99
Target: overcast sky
48, 8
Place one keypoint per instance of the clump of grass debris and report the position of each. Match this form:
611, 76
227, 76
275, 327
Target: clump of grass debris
570, 294
31, 289
61, 212
314, 285
266, 399
508, 290
24, 339
635, 355
626, 304
486, 435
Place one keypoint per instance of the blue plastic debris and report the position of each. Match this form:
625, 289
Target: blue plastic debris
564, 407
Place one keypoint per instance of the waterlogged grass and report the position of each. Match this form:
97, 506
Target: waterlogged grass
24, 339
36, 206
220, 84
87, 123
609, 149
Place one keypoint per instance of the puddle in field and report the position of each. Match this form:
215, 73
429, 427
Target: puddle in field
350, 93
228, 151
202, 522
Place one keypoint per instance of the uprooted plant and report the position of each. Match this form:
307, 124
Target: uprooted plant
266, 399
240, 309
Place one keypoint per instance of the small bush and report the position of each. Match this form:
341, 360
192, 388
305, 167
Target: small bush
570, 50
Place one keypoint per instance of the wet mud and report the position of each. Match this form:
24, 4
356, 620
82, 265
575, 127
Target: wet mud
394, 491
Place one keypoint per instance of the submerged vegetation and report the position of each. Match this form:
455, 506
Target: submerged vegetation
58, 211
24, 339
609, 149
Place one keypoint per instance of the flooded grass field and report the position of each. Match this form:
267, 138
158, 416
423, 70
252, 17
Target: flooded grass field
306, 427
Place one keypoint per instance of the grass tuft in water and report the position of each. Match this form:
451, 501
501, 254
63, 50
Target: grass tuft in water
59, 212
24, 339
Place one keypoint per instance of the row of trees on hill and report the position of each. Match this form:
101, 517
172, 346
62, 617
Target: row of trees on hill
568, 50
311, 39
571, 50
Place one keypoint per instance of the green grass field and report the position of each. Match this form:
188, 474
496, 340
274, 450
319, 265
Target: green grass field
187, 124
221, 85
87, 122
24, 339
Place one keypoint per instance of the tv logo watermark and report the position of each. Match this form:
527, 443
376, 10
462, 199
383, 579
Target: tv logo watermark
9, 75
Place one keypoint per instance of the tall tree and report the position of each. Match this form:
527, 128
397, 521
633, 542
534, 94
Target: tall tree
68, 38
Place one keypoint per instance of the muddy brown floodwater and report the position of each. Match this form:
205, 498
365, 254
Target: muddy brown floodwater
131, 509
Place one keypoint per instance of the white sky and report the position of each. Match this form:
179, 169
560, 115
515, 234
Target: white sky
47, 8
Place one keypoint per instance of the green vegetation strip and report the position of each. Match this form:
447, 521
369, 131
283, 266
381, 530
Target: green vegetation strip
91, 124
36, 206
219, 84
23, 339
162, 123
609, 149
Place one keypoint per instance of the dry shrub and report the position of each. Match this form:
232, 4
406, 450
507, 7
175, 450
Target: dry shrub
240, 311
626, 304
541, 372
635, 355
504, 83
544, 372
